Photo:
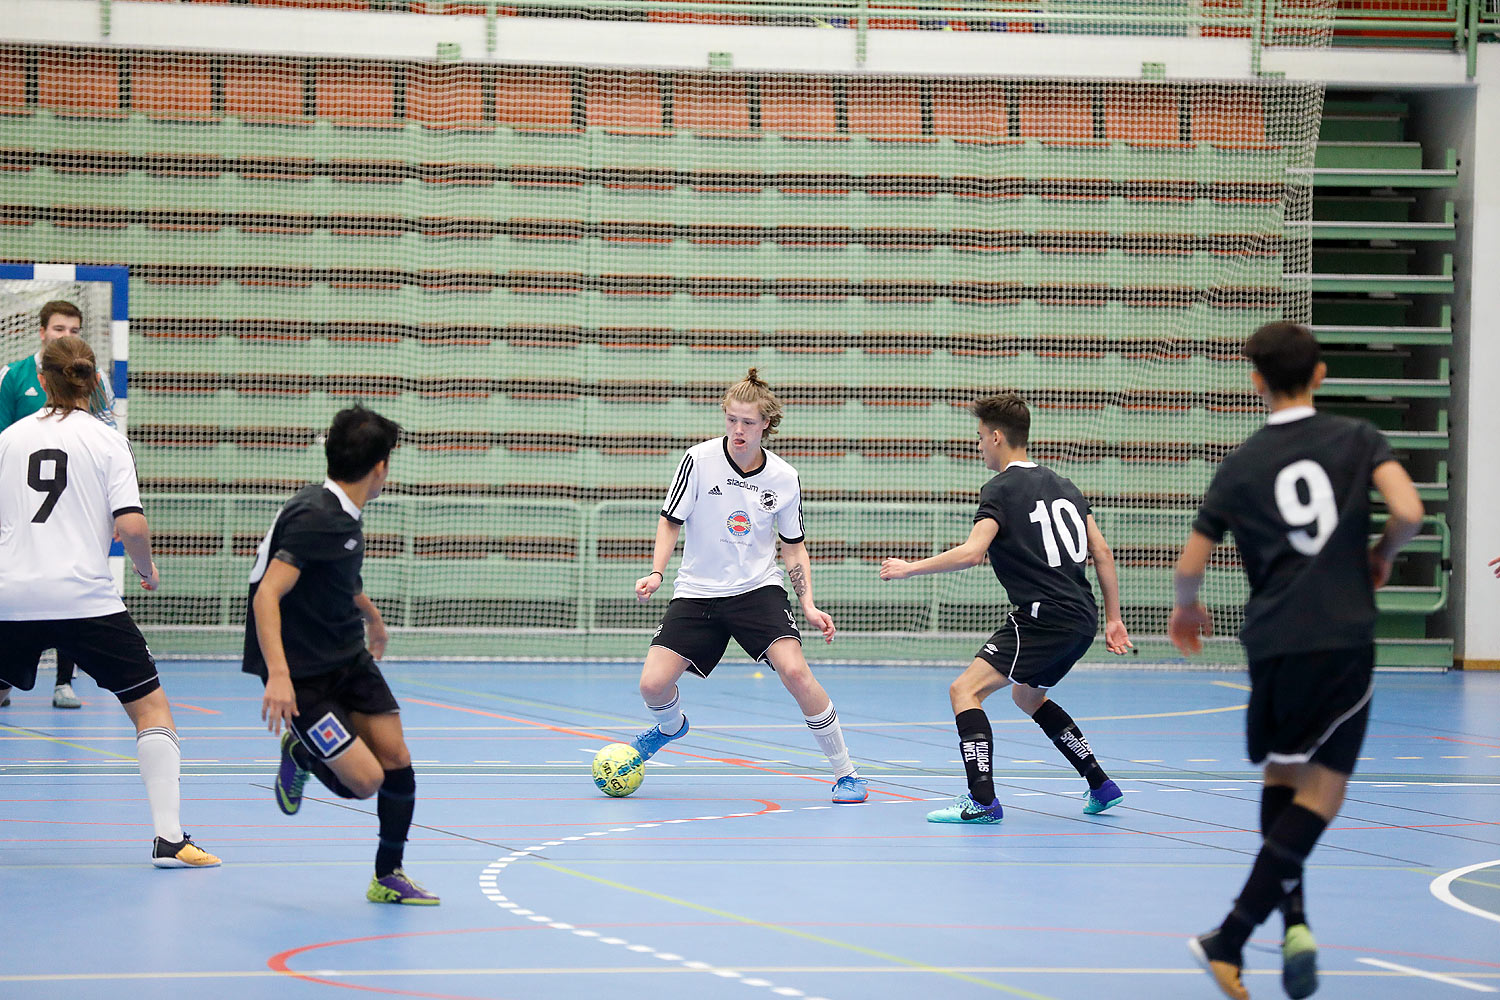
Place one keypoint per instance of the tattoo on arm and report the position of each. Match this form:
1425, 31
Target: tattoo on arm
798, 576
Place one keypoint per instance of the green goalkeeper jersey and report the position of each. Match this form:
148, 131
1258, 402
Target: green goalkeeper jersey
21, 392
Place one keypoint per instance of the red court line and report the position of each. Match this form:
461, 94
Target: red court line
681, 753
1467, 743
278, 962
195, 708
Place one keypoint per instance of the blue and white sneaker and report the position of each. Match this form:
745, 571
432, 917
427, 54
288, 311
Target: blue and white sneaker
965, 810
1106, 796
654, 739
850, 789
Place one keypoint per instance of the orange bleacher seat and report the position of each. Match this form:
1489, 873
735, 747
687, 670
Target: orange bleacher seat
356, 94
263, 89
624, 101
885, 107
13, 82
977, 109
446, 97
1231, 118
534, 99
1145, 116
711, 104
797, 105
1057, 112
79, 82
174, 87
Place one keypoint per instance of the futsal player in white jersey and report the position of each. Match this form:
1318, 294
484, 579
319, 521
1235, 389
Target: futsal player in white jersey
67, 485
730, 500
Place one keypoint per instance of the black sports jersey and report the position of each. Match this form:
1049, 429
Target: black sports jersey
1296, 497
319, 532
1039, 552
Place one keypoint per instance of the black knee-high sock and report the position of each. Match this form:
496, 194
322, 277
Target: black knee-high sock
1273, 802
975, 744
1068, 738
394, 805
321, 771
1278, 866
65, 667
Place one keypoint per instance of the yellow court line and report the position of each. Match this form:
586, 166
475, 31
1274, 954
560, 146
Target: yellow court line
792, 932
720, 735
23, 734
628, 720
759, 970
1231, 684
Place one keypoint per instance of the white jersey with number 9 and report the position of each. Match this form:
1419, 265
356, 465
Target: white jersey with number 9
63, 481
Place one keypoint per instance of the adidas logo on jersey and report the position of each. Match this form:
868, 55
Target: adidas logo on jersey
31, 391
715, 492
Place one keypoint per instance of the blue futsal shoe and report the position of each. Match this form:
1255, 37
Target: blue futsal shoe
964, 810
850, 789
1104, 797
654, 739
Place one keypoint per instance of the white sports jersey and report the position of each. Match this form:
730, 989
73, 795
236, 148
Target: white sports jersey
728, 546
63, 480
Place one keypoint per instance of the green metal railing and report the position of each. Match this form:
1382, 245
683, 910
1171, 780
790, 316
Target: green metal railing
1456, 25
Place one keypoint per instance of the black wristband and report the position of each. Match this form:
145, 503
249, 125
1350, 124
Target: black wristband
658, 573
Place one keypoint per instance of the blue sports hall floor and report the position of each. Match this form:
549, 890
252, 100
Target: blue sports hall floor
729, 874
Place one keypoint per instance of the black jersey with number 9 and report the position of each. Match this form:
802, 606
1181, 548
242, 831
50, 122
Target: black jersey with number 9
1296, 497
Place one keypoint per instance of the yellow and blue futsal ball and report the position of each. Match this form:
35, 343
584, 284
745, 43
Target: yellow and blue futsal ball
618, 770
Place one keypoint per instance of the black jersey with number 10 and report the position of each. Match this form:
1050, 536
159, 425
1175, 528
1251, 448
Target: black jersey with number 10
1039, 553
1296, 497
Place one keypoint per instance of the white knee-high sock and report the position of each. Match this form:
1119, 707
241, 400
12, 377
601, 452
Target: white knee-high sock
669, 716
161, 765
825, 729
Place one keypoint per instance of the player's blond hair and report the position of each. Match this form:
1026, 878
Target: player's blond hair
753, 389
70, 376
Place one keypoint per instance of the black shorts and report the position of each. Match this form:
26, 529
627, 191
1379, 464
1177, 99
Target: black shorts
325, 701
1028, 652
698, 629
110, 649
1310, 707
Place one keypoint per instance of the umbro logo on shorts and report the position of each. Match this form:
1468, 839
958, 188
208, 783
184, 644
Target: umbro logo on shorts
328, 734
990, 647
715, 492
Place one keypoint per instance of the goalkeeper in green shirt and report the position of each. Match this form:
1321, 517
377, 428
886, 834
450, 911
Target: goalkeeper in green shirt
21, 395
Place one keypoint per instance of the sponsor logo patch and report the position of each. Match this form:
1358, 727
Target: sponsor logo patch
328, 734
739, 524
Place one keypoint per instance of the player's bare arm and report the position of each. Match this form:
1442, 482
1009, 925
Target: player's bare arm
1496, 563
970, 552
1116, 638
1191, 622
376, 635
279, 704
1404, 505
135, 537
667, 534
799, 574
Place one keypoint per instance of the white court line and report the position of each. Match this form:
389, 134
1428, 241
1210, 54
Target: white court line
1435, 977
1440, 888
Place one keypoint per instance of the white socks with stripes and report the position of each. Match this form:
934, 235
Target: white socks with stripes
825, 729
669, 717
161, 765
